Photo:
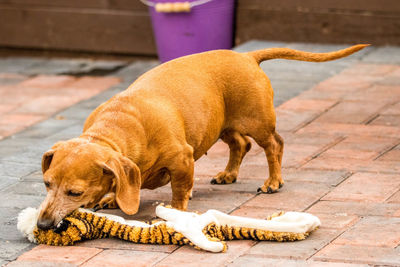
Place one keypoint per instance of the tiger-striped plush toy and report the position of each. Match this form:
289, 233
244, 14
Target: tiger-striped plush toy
206, 231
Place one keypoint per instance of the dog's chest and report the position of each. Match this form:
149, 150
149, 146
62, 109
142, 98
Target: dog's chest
156, 179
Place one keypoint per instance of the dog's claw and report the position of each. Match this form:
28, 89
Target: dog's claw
269, 190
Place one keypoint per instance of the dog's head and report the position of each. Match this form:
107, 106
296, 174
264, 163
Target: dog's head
77, 173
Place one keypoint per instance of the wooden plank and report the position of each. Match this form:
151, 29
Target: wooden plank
107, 31
294, 26
97, 4
375, 6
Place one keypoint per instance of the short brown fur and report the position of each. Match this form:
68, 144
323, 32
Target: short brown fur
153, 132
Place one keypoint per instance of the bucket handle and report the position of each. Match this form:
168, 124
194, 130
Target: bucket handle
174, 7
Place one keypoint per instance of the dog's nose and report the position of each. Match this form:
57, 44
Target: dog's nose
45, 224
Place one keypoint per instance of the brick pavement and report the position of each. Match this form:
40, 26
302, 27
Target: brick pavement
341, 163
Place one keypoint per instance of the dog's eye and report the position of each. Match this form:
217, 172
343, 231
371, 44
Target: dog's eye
74, 193
47, 184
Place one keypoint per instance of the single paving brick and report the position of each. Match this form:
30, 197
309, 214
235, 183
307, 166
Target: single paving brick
388, 120
395, 198
68, 254
332, 178
20, 119
293, 196
253, 260
351, 112
350, 153
372, 231
296, 155
392, 109
243, 184
337, 163
23, 263
358, 254
386, 95
365, 187
303, 249
118, 257
377, 131
356, 208
322, 139
290, 120
369, 69
5, 108
336, 221
49, 81
113, 243
188, 256
300, 105
255, 212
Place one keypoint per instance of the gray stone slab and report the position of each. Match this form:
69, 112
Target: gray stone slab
36, 176
10, 250
9, 199
18, 65
74, 66
56, 66
285, 90
15, 169
383, 55
8, 222
34, 188
76, 113
45, 128
3, 262
66, 134
6, 182
130, 73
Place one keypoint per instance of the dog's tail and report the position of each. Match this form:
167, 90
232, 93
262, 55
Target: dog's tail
287, 53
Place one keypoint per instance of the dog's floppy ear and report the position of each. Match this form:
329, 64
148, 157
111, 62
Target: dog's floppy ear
46, 160
48, 156
128, 182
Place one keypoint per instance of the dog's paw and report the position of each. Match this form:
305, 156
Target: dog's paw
224, 178
107, 202
270, 186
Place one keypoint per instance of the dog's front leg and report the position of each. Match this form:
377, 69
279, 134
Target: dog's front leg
108, 201
181, 172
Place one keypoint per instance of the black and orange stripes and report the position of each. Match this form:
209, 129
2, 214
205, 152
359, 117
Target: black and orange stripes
86, 225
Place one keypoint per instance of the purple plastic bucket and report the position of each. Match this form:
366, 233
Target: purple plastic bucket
206, 27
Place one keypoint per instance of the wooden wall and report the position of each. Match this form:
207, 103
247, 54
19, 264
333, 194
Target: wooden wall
323, 21
123, 26
116, 26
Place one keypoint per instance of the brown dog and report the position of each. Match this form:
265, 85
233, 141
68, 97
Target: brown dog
151, 134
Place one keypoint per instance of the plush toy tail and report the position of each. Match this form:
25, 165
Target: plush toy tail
291, 54
27, 219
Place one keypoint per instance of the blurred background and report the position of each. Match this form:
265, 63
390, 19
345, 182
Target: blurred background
124, 26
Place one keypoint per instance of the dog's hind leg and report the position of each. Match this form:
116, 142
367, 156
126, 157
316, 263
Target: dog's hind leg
273, 147
239, 145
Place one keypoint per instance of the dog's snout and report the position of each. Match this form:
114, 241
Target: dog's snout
45, 224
